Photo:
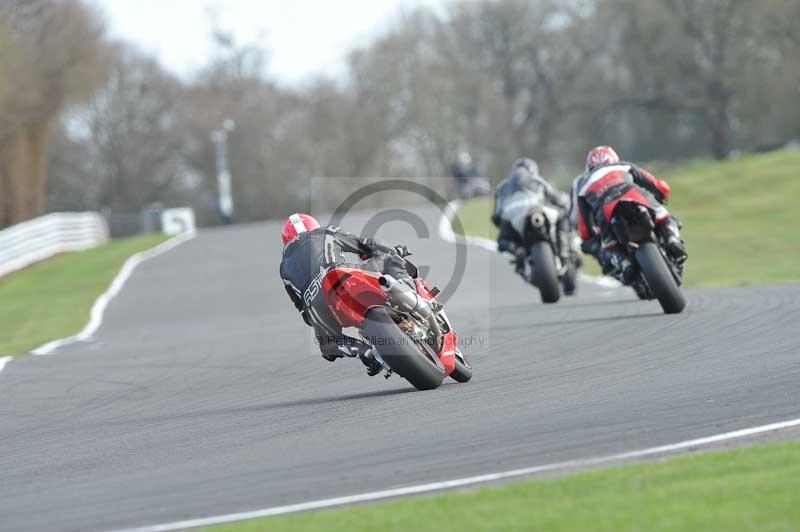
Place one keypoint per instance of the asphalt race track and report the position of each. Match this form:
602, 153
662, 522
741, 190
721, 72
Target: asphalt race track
203, 394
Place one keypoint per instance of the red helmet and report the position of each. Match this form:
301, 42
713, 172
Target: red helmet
296, 224
601, 156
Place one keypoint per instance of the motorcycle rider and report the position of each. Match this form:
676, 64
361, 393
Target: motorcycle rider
599, 188
524, 181
469, 183
309, 252
464, 169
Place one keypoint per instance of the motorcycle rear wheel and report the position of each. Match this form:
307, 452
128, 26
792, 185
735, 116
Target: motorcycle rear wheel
414, 361
659, 278
544, 272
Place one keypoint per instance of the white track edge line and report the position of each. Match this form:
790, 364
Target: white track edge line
463, 482
100, 304
447, 234
4, 361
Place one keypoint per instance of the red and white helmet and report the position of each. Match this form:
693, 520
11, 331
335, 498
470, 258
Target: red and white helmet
601, 156
297, 223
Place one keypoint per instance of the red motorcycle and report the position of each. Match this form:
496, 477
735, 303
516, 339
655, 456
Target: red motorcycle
630, 217
406, 326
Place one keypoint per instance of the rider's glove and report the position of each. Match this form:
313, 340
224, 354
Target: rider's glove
402, 251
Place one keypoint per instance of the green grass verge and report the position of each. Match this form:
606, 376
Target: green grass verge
52, 299
752, 488
740, 218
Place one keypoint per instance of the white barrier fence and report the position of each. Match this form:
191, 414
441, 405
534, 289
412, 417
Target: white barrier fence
28, 242
177, 221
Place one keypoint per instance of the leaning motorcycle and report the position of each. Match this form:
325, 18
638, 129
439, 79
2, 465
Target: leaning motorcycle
406, 326
658, 276
551, 260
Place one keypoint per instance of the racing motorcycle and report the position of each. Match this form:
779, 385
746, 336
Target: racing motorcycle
658, 276
406, 326
550, 260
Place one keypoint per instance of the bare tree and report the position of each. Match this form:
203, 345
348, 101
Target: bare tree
717, 31
52, 55
538, 55
135, 133
544, 78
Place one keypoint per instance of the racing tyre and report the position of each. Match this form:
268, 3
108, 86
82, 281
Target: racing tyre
414, 361
463, 371
659, 278
545, 275
569, 281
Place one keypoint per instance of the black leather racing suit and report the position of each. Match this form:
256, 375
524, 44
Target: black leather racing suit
306, 260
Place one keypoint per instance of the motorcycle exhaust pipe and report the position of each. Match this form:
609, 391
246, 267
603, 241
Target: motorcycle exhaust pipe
407, 300
405, 297
538, 219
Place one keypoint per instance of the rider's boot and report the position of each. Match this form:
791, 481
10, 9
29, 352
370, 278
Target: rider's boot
332, 350
521, 263
641, 291
618, 266
574, 249
367, 357
527, 271
564, 246
331, 357
669, 229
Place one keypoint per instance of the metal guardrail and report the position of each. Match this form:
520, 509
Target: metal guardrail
28, 242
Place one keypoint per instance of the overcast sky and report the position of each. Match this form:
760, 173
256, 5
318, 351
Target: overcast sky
305, 37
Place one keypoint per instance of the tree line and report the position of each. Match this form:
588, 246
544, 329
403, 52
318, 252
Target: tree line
88, 123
